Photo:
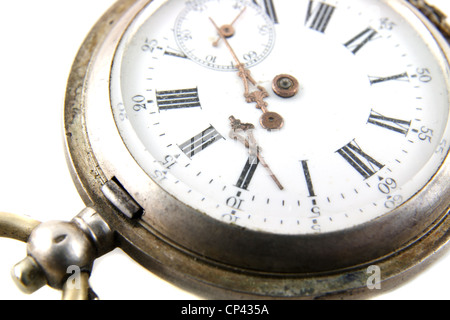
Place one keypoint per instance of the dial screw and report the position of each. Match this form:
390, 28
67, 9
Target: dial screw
285, 85
227, 30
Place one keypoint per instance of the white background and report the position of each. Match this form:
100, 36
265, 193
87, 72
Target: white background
39, 40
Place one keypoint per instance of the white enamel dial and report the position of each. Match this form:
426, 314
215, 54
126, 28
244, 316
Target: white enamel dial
366, 131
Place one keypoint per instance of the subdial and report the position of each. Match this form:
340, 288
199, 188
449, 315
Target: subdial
246, 26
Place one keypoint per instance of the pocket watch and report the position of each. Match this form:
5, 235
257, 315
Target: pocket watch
254, 149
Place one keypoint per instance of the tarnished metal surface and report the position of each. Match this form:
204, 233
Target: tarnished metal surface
16, 227
435, 15
80, 157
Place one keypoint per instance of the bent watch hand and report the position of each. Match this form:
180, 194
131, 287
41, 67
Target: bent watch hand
243, 132
269, 120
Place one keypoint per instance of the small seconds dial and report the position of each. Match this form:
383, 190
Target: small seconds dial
240, 21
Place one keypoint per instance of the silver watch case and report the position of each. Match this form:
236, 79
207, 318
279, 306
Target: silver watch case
217, 260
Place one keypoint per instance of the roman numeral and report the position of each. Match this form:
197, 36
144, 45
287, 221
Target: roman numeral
308, 178
399, 77
247, 173
174, 53
364, 164
360, 40
200, 142
396, 125
268, 6
177, 99
318, 17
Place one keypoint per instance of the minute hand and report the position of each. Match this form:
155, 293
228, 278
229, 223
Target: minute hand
269, 120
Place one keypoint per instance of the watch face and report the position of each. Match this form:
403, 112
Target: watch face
193, 81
